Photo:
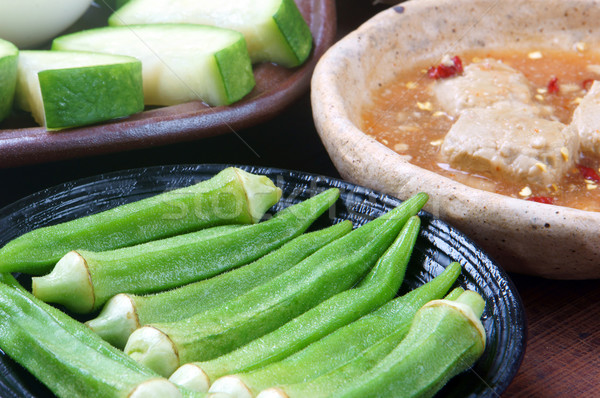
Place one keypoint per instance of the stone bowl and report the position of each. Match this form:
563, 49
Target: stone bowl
524, 237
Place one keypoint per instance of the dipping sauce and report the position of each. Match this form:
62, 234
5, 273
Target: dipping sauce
405, 117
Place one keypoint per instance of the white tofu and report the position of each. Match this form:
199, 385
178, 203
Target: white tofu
484, 84
515, 146
586, 120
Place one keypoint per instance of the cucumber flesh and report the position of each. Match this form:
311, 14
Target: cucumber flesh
274, 29
8, 76
67, 89
180, 63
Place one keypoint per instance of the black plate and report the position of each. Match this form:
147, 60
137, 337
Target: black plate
437, 246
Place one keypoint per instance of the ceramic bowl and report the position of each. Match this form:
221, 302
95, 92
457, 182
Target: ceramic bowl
525, 237
29, 23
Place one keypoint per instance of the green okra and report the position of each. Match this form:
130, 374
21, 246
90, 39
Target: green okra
233, 196
124, 313
333, 382
82, 280
71, 332
446, 338
343, 345
378, 287
63, 357
332, 269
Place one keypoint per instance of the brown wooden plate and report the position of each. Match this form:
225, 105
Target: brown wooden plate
22, 142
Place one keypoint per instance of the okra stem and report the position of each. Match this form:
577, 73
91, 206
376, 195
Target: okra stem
124, 313
346, 343
330, 270
175, 261
378, 287
233, 196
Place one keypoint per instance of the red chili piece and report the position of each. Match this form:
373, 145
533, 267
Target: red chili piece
587, 84
443, 71
541, 199
553, 85
588, 173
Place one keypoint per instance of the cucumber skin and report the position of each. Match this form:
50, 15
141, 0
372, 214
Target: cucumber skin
289, 42
117, 88
380, 286
332, 269
208, 203
350, 341
295, 32
8, 82
233, 65
236, 72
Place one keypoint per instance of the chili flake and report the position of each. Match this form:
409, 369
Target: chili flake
553, 85
445, 70
541, 199
588, 173
587, 84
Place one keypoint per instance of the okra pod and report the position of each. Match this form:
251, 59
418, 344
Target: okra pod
67, 364
343, 345
378, 287
332, 383
217, 331
83, 281
233, 196
445, 338
67, 331
124, 313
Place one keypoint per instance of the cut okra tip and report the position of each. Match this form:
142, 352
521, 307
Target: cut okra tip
232, 385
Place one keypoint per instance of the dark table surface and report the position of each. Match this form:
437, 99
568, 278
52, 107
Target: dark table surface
563, 348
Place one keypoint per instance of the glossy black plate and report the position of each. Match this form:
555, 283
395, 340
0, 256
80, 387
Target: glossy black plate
437, 246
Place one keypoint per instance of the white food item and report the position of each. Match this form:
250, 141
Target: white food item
586, 120
484, 84
515, 146
29, 23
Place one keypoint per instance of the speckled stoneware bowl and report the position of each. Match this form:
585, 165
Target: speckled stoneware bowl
525, 237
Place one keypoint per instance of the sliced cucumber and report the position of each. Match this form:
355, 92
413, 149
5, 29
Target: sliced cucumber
8, 76
180, 62
274, 29
67, 89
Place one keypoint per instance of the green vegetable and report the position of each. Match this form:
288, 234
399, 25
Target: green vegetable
84, 280
233, 196
336, 381
124, 313
180, 62
274, 29
68, 89
70, 360
445, 338
377, 288
9, 55
343, 345
334, 268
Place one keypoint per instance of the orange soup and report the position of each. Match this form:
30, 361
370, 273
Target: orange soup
405, 117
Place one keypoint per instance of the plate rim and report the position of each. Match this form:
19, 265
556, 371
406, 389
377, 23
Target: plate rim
491, 266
